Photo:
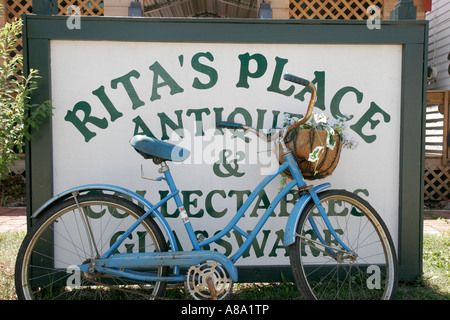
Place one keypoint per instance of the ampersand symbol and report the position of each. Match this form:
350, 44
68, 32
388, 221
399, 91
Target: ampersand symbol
230, 168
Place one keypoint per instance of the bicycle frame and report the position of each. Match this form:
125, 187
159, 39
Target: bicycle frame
115, 263
110, 263
232, 225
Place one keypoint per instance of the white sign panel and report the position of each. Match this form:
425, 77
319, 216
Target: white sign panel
104, 92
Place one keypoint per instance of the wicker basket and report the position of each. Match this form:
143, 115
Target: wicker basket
303, 142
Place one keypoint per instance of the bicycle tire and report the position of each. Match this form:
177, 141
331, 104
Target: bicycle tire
58, 241
370, 274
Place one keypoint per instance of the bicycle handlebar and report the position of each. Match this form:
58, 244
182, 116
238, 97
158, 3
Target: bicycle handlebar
230, 125
295, 79
312, 100
291, 78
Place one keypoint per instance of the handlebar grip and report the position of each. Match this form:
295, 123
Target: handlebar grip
229, 125
295, 79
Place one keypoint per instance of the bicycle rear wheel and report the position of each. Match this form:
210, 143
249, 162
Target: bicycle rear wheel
329, 272
66, 236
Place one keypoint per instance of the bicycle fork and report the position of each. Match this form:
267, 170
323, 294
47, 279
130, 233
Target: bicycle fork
337, 253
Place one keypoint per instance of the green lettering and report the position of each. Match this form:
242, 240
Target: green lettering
260, 122
247, 120
163, 208
367, 119
309, 247
96, 215
116, 236
198, 119
142, 194
259, 250
284, 203
187, 202
336, 101
141, 128
278, 73
100, 93
245, 73
363, 191
126, 82
209, 207
319, 80
279, 245
239, 196
141, 240
83, 106
159, 72
333, 208
329, 237
225, 244
218, 114
355, 212
209, 71
165, 121
262, 197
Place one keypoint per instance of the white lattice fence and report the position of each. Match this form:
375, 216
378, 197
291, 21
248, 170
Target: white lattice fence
332, 9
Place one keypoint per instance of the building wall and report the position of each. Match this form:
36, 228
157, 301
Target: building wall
439, 43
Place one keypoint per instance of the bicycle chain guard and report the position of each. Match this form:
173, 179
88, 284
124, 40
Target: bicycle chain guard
208, 281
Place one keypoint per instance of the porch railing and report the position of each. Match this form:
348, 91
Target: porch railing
437, 168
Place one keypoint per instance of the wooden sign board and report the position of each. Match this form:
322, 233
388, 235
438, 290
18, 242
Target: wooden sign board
175, 79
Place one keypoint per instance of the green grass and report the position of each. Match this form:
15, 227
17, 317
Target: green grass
434, 284
9, 245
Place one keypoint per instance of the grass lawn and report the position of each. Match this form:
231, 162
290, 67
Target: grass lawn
434, 284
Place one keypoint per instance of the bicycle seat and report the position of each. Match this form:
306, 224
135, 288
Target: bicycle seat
151, 148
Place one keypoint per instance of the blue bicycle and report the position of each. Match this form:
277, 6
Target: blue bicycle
107, 242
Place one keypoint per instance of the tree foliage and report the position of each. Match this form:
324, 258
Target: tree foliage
18, 115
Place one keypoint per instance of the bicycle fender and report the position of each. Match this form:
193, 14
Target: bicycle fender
125, 192
291, 225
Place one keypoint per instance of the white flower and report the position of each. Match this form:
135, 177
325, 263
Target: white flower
315, 154
331, 141
288, 120
319, 119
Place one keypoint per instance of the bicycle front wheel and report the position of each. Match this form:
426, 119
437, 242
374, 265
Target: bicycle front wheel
71, 234
323, 269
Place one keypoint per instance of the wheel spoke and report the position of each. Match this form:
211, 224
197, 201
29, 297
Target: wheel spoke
325, 270
73, 233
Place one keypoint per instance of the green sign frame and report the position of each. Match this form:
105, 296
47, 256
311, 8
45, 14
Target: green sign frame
412, 35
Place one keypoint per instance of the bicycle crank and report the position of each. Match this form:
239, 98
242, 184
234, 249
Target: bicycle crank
208, 281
